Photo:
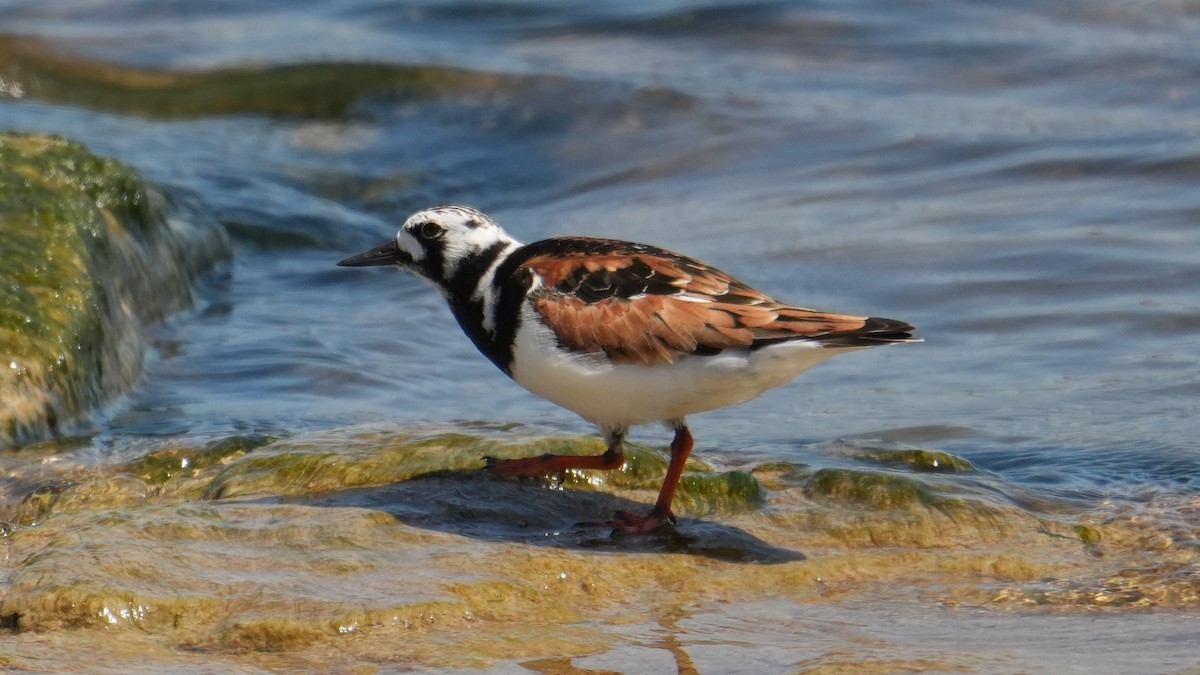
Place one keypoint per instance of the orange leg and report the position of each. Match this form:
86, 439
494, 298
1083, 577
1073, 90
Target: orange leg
549, 465
681, 447
622, 521
661, 515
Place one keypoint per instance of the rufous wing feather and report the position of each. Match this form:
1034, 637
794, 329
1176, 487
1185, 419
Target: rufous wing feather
638, 304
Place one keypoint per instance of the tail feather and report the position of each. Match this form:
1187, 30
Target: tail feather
875, 331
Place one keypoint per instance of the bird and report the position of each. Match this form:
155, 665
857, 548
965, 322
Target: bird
621, 333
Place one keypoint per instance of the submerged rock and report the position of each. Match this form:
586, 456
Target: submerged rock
917, 459
89, 256
368, 547
37, 69
339, 460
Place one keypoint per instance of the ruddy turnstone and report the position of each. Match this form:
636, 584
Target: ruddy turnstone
621, 333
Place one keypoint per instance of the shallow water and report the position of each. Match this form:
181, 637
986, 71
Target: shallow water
1018, 181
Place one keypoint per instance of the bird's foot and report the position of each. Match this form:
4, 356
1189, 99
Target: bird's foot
624, 522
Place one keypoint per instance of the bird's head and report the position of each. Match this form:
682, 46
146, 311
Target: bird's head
438, 244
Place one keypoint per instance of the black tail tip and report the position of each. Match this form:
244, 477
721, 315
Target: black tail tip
879, 330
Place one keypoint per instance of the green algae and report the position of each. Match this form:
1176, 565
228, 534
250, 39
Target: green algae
160, 466
89, 255
867, 508
321, 462
80, 492
917, 459
1090, 537
869, 489
268, 635
310, 90
39, 502
702, 494
290, 567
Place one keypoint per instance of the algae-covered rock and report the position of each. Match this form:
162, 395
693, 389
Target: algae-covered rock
917, 459
89, 255
868, 489
347, 459
36, 69
391, 547
301, 540
160, 466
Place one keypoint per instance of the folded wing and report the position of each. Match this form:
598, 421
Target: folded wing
644, 305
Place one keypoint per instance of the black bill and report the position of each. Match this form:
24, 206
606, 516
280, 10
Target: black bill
387, 253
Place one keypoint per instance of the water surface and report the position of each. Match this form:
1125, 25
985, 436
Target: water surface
1018, 181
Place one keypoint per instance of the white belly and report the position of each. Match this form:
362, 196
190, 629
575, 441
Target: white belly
627, 394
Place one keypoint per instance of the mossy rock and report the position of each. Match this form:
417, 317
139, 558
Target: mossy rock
875, 490
37, 69
161, 466
397, 576
39, 502
918, 459
340, 460
723, 492
89, 255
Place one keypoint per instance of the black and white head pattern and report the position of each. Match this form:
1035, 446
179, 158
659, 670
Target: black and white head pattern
453, 246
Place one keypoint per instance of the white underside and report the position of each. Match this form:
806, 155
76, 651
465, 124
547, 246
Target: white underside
625, 395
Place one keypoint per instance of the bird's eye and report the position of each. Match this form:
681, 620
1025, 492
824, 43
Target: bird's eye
430, 230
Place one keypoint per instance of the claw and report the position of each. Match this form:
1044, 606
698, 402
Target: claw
624, 522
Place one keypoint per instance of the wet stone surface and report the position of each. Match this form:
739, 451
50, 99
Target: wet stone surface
90, 256
366, 545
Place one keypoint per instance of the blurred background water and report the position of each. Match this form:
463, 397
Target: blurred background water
1018, 180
